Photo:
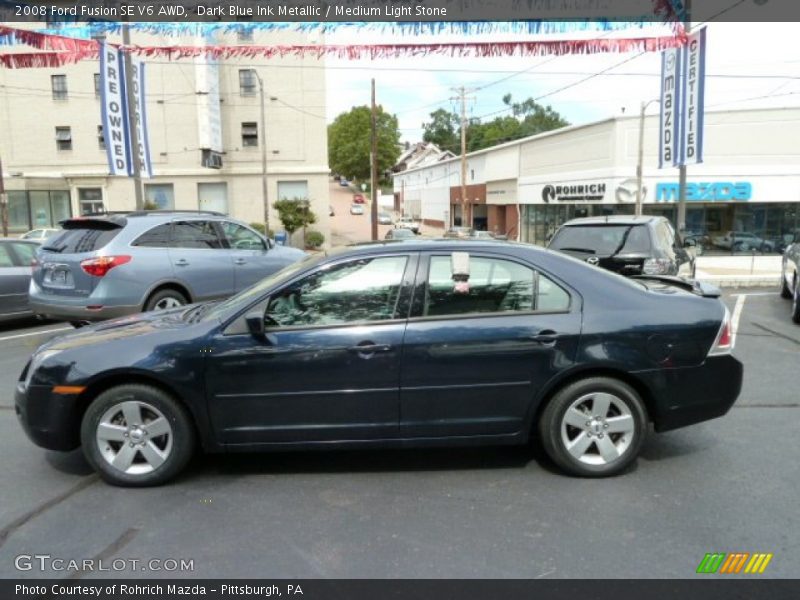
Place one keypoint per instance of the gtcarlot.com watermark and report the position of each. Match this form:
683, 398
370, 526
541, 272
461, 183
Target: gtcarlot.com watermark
47, 562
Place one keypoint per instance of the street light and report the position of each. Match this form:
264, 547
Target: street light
639, 168
263, 126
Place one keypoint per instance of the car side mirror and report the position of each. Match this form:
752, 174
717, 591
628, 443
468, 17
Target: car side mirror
256, 324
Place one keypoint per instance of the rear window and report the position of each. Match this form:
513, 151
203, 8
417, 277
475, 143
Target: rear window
78, 238
603, 239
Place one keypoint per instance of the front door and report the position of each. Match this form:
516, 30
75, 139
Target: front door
328, 367
15, 277
252, 260
476, 353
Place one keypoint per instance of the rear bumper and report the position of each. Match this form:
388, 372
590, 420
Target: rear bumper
686, 396
74, 309
50, 420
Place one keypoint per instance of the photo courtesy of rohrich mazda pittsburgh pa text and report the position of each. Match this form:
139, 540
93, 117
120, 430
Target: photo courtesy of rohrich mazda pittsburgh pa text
423, 298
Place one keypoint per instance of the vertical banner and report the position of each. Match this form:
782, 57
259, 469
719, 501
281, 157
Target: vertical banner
114, 114
668, 132
114, 107
693, 98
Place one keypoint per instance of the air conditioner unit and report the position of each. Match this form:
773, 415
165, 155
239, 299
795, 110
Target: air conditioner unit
211, 159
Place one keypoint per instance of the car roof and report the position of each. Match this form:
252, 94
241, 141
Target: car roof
613, 220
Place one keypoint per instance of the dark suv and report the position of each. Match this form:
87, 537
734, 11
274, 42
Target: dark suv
627, 245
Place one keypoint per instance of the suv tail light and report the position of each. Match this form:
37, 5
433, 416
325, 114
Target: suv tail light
98, 267
724, 342
656, 266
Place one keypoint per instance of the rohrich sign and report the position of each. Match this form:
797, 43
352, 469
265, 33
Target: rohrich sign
582, 192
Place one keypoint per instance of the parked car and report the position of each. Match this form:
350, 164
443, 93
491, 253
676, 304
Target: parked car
356, 209
359, 199
40, 235
384, 218
343, 182
16, 256
108, 266
627, 245
743, 241
408, 222
790, 276
392, 345
400, 233
457, 233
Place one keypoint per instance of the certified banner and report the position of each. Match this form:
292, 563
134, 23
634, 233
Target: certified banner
693, 96
669, 121
114, 106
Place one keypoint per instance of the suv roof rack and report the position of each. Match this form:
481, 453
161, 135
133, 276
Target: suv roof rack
143, 213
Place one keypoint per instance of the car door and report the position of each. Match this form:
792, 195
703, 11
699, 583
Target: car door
327, 367
15, 276
200, 260
252, 260
476, 353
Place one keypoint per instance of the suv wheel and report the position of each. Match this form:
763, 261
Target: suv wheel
594, 427
165, 299
796, 301
786, 291
136, 435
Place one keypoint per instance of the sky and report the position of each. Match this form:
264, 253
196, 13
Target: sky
749, 65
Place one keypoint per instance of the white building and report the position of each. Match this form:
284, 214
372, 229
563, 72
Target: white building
749, 180
54, 160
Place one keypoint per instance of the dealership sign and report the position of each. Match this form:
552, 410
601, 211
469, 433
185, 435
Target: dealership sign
718, 191
582, 192
670, 110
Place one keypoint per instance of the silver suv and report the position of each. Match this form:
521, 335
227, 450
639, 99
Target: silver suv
101, 267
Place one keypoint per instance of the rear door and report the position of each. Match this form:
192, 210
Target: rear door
200, 260
59, 271
15, 275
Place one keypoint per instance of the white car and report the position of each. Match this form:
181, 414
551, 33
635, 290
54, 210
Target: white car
742, 241
409, 223
356, 209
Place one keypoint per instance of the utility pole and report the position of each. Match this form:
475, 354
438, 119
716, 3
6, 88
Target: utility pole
263, 127
132, 113
466, 207
682, 167
3, 202
639, 164
373, 167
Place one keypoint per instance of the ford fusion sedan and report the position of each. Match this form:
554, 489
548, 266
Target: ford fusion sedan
424, 343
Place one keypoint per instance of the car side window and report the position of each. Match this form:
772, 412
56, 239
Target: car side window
242, 238
24, 252
494, 286
157, 237
356, 291
195, 234
5, 257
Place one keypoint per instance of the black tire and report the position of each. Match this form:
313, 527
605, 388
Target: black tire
550, 427
162, 296
786, 291
79, 324
796, 301
179, 451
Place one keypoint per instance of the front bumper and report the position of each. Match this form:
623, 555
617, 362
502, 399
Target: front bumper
50, 420
691, 395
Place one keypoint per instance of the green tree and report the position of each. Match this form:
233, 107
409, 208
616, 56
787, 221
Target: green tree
443, 130
294, 214
349, 142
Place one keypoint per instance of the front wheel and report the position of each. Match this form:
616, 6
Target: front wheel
796, 301
594, 427
137, 435
786, 291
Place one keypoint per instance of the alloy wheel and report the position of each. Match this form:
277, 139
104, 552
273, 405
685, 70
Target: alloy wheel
134, 437
168, 302
597, 428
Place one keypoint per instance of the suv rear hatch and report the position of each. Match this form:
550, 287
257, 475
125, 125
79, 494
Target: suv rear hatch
619, 248
59, 270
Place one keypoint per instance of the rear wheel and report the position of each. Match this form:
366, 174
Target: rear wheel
137, 435
796, 301
594, 427
786, 291
165, 299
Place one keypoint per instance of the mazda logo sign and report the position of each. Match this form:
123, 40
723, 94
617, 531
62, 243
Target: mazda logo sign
593, 260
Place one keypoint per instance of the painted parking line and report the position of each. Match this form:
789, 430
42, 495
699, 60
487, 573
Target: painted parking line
32, 333
737, 314
754, 294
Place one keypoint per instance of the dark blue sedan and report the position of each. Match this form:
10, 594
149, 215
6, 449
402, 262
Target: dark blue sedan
424, 343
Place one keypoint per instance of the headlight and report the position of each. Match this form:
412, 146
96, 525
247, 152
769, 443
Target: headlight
36, 361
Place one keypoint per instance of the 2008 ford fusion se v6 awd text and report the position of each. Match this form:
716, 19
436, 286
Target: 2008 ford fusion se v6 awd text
407, 343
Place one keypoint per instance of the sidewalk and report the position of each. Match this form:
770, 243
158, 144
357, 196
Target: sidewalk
740, 271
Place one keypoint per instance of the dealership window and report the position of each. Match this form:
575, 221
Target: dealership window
59, 86
64, 138
293, 190
248, 82
494, 286
35, 209
101, 140
162, 195
90, 201
357, 291
97, 85
249, 134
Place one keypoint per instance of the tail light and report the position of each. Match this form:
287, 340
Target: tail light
98, 267
724, 342
656, 266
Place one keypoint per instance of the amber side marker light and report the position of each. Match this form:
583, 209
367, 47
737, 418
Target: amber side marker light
68, 389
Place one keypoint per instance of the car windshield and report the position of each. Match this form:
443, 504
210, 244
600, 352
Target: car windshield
603, 240
251, 294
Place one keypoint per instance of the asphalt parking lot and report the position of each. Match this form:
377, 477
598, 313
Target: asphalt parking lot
723, 486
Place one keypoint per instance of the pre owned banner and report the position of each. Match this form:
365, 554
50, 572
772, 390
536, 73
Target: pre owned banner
694, 75
116, 132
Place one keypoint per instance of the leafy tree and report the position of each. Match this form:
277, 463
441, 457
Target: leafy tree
349, 142
443, 129
294, 213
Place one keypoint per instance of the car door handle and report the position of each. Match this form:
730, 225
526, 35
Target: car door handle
546, 337
370, 348
182, 263
240, 261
